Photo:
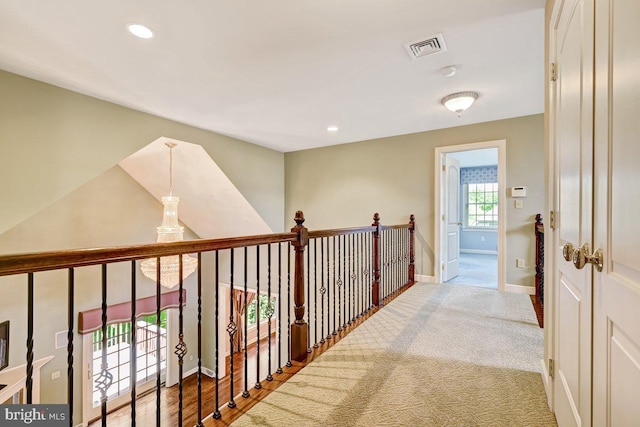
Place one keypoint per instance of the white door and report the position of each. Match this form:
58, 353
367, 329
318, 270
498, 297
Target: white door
572, 24
451, 218
616, 350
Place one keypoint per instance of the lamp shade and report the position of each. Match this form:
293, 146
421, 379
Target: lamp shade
459, 102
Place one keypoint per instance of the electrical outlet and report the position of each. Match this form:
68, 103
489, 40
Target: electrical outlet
191, 357
55, 375
518, 203
482, 238
519, 263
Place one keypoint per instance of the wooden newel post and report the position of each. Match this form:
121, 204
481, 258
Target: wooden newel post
412, 249
299, 328
375, 290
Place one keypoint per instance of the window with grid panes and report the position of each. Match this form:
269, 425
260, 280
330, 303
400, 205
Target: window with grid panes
481, 205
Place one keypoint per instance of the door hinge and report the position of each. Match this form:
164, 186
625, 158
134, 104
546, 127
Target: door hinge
443, 218
552, 220
444, 168
551, 368
443, 266
552, 72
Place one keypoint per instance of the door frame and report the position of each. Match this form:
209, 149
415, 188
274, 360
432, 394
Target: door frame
438, 204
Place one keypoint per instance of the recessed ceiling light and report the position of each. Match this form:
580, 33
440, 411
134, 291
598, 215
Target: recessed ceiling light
140, 30
332, 128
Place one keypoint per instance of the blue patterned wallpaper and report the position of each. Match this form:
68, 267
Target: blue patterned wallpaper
478, 175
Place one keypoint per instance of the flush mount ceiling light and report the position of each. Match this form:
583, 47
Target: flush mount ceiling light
459, 102
332, 128
140, 30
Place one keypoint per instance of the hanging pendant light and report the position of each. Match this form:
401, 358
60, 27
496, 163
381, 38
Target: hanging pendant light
170, 231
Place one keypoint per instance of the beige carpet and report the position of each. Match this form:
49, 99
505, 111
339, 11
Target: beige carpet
438, 355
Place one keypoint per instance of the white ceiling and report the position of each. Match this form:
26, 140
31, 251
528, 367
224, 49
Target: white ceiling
278, 72
211, 211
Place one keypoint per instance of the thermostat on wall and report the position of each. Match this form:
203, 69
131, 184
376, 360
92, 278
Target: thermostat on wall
518, 191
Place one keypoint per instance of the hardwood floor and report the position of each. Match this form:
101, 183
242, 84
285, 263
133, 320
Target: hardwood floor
146, 405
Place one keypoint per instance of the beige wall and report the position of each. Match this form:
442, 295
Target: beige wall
53, 140
344, 185
62, 189
112, 209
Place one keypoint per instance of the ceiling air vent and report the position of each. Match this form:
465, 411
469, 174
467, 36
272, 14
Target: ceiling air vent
432, 44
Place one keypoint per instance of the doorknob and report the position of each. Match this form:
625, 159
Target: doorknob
567, 251
459, 223
582, 256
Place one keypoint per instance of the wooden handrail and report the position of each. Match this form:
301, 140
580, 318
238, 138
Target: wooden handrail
395, 227
390, 254
54, 260
340, 232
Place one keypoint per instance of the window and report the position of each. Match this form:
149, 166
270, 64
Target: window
264, 303
482, 205
118, 354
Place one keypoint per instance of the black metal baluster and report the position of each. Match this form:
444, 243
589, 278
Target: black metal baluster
315, 292
29, 380
360, 274
328, 290
308, 255
231, 329
397, 258
216, 413
392, 260
387, 263
199, 339
133, 346
270, 310
339, 283
407, 244
335, 301
354, 295
349, 276
345, 280
383, 260
289, 304
181, 347
323, 290
158, 354
245, 392
363, 270
70, 316
367, 273
105, 378
279, 370
258, 384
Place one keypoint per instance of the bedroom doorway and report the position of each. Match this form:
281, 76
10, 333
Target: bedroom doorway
470, 235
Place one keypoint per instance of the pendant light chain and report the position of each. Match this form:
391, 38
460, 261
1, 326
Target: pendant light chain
170, 145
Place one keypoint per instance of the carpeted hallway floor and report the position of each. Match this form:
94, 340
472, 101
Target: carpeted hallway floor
477, 270
438, 355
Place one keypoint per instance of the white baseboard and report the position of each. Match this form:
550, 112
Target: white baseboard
546, 382
205, 371
519, 289
425, 279
478, 251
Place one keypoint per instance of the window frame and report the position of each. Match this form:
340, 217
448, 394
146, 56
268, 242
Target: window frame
466, 204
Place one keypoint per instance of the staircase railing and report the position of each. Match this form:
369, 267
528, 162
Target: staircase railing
331, 277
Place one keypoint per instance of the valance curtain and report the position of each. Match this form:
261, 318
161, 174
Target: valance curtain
91, 320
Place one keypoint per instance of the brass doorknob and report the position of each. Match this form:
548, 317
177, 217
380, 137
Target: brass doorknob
567, 251
582, 257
